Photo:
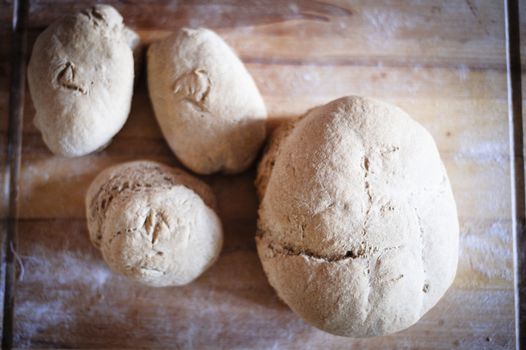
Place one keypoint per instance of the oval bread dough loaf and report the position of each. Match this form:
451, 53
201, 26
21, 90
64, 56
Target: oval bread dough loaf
207, 104
80, 77
358, 228
153, 223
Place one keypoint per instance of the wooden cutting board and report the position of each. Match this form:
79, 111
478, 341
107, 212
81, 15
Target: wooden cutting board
443, 62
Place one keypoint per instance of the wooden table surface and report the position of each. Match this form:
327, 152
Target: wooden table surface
444, 62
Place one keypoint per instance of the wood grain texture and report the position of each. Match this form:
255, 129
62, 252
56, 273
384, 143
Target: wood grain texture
5, 68
5, 57
520, 190
443, 63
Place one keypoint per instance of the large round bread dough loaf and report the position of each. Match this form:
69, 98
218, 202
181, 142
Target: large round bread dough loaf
153, 223
358, 228
80, 77
207, 104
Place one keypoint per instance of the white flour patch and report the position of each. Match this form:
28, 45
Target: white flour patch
294, 8
487, 251
64, 267
463, 72
484, 151
59, 285
84, 270
389, 22
311, 77
33, 317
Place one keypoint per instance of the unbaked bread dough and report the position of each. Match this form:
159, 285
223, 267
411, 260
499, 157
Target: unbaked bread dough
358, 228
80, 77
207, 104
153, 223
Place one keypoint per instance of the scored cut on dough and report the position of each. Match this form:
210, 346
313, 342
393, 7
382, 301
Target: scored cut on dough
153, 223
357, 229
80, 76
135, 176
207, 104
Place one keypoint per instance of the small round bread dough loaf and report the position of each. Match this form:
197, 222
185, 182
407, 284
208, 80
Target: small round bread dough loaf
80, 77
358, 228
207, 104
153, 223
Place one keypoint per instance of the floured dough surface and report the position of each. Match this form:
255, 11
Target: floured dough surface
358, 229
207, 104
80, 77
137, 176
153, 223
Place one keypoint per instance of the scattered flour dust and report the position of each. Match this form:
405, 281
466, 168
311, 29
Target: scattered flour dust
389, 22
463, 72
486, 252
482, 148
33, 317
64, 272
77, 267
